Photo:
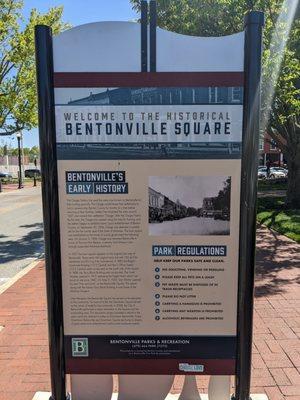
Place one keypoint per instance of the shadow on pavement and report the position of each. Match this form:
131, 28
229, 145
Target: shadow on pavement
30, 245
37, 225
277, 263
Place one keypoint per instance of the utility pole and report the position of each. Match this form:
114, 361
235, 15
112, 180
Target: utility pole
19, 135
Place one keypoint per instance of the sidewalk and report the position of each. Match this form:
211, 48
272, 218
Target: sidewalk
24, 365
276, 345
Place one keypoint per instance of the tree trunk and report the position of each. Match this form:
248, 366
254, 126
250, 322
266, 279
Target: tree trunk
293, 189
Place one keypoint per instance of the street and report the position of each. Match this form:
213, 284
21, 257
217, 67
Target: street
21, 230
190, 226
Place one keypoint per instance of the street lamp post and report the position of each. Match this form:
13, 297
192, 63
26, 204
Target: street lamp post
19, 159
34, 175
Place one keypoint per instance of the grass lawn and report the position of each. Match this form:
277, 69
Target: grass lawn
271, 212
272, 184
16, 180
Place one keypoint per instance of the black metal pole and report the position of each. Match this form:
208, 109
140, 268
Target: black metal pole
44, 67
254, 22
19, 162
34, 175
144, 36
153, 26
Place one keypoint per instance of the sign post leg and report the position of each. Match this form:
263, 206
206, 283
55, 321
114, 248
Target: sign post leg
219, 387
153, 26
190, 390
144, 36
91, 387
146, 387
253, 43
44, 62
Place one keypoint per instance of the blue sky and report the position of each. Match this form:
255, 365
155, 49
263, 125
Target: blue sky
78, 12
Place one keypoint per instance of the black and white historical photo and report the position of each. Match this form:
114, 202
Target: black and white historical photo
189, 205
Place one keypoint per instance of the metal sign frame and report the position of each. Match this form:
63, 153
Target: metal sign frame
254, 22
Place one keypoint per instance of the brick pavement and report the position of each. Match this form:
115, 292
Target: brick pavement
276, 345
24, 366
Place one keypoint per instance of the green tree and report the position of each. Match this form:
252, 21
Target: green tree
34, 153
222, 201
18, 102
225, 17
5, 150
14, 152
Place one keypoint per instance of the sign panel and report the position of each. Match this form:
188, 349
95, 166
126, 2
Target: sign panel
142, 198
149, 199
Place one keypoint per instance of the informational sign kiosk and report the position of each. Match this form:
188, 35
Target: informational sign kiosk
149, 165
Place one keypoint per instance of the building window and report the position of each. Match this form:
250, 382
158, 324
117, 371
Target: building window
193, 96
273, 145
180, 96
213, 95
261, 144
235, 94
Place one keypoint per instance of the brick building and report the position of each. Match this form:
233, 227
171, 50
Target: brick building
156, 199
268, 150
156, 96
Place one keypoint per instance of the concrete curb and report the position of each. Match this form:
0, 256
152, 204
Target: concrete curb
19, 275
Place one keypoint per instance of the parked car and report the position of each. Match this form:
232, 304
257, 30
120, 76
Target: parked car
208, 213
5, 176
262, 173
277, 173
222, 215
29, 173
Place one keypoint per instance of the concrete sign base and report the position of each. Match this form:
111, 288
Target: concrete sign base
42, 396
46, 396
